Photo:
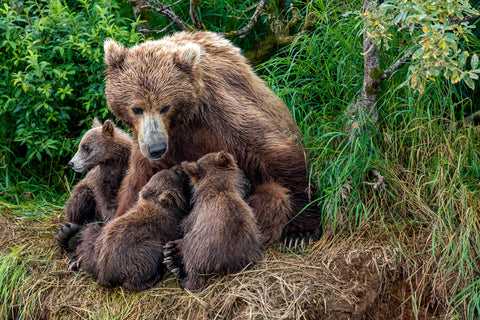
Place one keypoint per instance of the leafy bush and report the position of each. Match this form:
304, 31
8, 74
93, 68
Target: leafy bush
51, 64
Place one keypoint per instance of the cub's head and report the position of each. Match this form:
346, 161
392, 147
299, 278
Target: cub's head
153, 88
95, 147
219, 169
166, 188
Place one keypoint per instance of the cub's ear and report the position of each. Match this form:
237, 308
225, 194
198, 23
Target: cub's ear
225, 159
114, 54
170, 198
96, 123
187, 57
192, 169
108, 128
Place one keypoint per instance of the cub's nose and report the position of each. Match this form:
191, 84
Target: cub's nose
157, 150
71, 164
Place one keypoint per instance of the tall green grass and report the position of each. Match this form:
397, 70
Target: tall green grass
429, 157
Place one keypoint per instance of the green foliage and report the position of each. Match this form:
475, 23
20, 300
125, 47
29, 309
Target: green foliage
434, 37
51, 64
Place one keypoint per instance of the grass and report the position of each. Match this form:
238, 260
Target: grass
411, 251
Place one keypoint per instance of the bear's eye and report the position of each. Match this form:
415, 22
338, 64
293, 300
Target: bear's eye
85, 147
137, 110
165, 108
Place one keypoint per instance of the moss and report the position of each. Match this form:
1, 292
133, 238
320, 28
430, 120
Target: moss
376, 74
263, 51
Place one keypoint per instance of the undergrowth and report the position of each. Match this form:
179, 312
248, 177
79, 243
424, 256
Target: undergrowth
427, 218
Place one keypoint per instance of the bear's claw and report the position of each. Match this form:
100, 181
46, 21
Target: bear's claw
173, 259
299, 241
74, 262
68, 236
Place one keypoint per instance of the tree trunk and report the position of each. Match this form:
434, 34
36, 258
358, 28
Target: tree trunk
371, 74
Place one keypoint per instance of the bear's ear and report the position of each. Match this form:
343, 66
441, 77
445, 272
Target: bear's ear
225, 159
187, 57
96, 123
114, 54
108, 128
170, 198
192, 169
148, 193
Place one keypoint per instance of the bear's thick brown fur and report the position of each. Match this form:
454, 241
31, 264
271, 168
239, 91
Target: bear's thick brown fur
103, 152
190, 94
185, 96
221, 233
128, 251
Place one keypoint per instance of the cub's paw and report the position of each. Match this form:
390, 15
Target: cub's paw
68, 236
173, 258
74, 262
300, 240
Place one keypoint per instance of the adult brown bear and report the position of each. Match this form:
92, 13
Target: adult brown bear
190, 94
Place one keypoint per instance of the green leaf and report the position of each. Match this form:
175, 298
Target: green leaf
474, 61
469, 81
418, 53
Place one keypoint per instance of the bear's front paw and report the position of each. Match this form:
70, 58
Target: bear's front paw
68, 236
172, 254
300, 240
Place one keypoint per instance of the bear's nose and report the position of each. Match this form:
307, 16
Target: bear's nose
157, 150
71, 164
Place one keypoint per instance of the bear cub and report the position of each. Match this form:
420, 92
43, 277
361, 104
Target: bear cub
103, 152
221, 233
128, 251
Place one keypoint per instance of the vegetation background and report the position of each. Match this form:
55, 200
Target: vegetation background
408, 251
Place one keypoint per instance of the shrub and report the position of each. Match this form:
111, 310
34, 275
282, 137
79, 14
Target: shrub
51, 64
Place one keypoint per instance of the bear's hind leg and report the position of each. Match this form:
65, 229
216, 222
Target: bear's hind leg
272, 206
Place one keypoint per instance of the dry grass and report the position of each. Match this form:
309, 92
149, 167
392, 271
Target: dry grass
358, 277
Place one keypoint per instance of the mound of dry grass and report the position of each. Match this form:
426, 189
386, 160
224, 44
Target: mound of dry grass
359, 277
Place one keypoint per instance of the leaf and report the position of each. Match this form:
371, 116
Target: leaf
474, 61
462, 59
469, 81
418, 53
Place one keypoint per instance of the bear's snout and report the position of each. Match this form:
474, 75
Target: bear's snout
156, 151
71, 164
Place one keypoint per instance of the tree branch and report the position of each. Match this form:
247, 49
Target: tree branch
397, 65
465, 19
380, 184
251, 23
165, 11
194, 14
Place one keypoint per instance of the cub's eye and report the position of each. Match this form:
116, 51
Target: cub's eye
137, 110
165, 108
85, 147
